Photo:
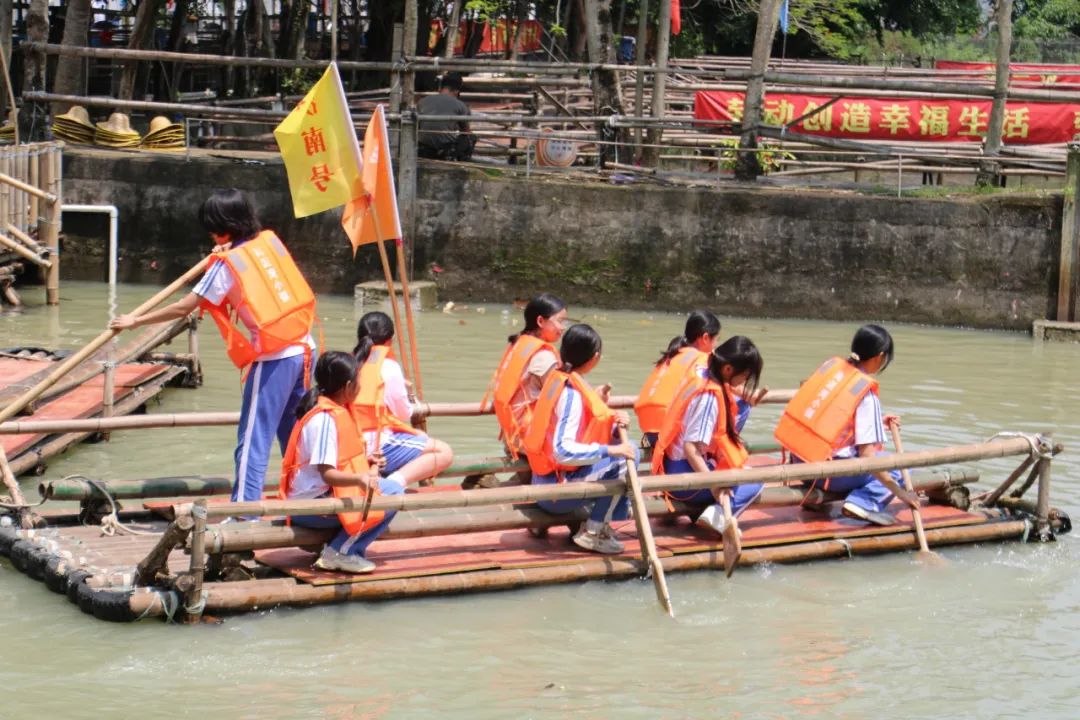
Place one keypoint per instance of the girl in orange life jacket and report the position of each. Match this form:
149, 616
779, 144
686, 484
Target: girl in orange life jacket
861, 436
700, 434
572, 439
384, 411
326, 456
277, 367
685, 355
525, 365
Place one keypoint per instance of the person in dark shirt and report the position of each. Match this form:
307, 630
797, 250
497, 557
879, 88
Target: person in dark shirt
445, 139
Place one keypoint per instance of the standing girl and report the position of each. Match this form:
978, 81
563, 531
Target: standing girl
572, 439
326, 456
836, 413
524, 367
699, 434
383, 410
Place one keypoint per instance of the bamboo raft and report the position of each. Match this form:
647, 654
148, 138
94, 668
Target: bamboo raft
113, 382
170, 556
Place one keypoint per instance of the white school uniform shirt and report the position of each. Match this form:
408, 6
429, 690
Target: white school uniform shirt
869, 426
568, 451
699, 423
318, 446
219, 285
395, 397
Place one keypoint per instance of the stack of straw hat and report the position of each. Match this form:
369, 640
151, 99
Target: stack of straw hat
74, 126
116, 132
164, 135
7, 133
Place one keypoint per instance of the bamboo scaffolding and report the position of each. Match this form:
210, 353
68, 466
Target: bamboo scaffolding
579, 491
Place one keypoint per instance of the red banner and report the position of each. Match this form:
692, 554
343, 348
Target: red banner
496, 39
1020, 72
900, 119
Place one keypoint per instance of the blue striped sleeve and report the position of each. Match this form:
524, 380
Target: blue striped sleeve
568, 451
699, 422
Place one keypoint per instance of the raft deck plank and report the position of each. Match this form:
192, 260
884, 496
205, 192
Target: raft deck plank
515, 549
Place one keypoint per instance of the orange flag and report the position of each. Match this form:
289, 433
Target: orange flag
373, 216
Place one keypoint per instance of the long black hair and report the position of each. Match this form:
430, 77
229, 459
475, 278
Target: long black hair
742, 355
580, 344
544, 306
700, 322
870, 341
374, 328
229, 212
333, 371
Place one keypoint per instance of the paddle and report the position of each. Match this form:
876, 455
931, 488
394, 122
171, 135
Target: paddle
732, 541
648, 545
62, 369
925, 553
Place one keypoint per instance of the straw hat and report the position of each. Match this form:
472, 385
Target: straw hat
118, 124
77, 115
158, 124
164, 135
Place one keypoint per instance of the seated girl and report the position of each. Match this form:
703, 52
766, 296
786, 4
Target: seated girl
572, 439
326, 457
699, 433
383, 410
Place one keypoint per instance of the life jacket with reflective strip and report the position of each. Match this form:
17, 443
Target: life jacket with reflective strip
508, 379
597, 421
722, 450
274, 296
820, 419
663, 384
351, 458
369, 408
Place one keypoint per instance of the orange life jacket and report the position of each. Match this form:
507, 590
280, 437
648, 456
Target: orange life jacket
722, 450
506, 384
369, 410
663, 384
273, 294
820, 419
597, 421
352, 458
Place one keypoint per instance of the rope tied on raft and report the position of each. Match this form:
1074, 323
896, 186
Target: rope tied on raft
196, 609
110, 524
164, 598
1041, 447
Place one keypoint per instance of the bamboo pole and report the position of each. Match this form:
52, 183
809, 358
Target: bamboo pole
29, 242
5, 186
32, 178
992, 498
14, 490
645, 536
21, 250
1042, 507
407, 296
154, 564
392, 295
580, 491
94, 345
916, 514
49, 224
7, 179
73, 489
193, 596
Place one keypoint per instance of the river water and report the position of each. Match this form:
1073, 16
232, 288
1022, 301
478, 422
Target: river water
993, 634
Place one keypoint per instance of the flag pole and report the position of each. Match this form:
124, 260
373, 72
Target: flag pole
404, 275
393, 300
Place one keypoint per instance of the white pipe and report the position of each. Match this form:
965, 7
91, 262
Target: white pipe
114, 227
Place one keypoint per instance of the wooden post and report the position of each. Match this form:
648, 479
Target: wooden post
193, 350
1042, 505
396, 51
193, 601
1069, 268
334, 29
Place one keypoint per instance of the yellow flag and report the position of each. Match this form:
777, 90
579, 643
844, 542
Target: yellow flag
318, 144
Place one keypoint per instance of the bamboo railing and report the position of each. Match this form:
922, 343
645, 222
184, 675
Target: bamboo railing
30, 204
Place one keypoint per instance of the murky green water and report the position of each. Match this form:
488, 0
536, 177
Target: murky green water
992, 635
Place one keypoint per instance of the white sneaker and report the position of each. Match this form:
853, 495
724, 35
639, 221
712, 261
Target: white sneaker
602, 541
852, 510
712, 519
331, 559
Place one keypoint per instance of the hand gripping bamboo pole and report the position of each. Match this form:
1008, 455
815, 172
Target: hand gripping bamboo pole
916, 514
94, 345
644, 531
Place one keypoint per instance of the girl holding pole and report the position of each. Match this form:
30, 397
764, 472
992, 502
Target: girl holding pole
383, 410
326, 456
572, 438
253, 278
836, 414
700, 434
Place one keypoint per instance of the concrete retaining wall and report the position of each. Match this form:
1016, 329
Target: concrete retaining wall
986, 261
